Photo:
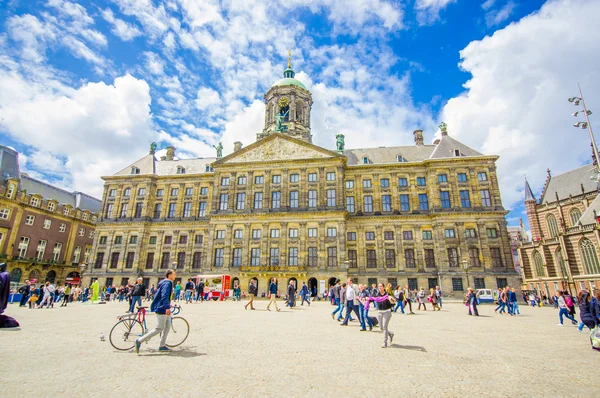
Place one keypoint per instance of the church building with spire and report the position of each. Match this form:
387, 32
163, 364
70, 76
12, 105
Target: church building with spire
419, 215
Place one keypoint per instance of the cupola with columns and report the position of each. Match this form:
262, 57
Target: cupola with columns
287, 107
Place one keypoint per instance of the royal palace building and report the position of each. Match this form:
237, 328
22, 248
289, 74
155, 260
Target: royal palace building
563, 253
46, 232
421, 215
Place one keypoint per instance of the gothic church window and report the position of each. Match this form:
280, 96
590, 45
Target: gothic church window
552, 225
589, 256
539, 264
575, 215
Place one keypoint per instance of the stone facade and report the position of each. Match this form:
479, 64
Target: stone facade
43, 236
284, 207
563, 253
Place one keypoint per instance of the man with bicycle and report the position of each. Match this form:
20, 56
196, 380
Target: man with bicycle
161, 305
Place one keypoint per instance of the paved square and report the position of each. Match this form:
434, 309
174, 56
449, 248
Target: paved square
300, 352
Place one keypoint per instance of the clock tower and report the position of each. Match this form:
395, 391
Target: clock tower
288, 103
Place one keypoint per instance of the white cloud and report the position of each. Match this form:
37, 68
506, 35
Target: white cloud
487, 4
125, 31
515, 102
91, 131
428, 11
154, 64
496, 17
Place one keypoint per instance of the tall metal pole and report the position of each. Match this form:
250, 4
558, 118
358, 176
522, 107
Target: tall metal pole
589, 125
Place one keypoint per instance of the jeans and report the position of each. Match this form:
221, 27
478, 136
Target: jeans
399, 304
339, 306
188, 296
501, 306
351, 307
341, 313
439, 300
565, 312
135, 299
305, 298
515, 308
364, 317
24, 298
163, 326
384, 320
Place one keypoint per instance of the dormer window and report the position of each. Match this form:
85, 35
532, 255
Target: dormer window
180, 170
51, 206
365, 160
11, 191
209, 169
135, 170
401, 159
456, 152
35, 202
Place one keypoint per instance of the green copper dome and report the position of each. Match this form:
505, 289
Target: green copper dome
289, 80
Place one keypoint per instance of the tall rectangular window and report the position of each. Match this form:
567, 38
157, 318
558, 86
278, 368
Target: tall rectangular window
442, 178
138, 210
219, 254
204, 191
350, 204
479, 283
256, 234
312, 177
223, 199
124, 208
404, 203
56, 251
224, 181
238, 234
242, 180
369, 235
275, 200
150, 260
449, 233
293, 233
166, 259
386, 203
390, 258
402, 182
276, 179
352, 258
385, 182
187, 209
482, 176
237, 257
351, 236
274, 256
349, 184
189, 191
368, 203
293, 199
407, 235
294, 178
293, 256
462, 177
114, 259
486, 200
465, 200
470, 233
423, 202
445, 199
421, 181
198, 239
275, 233
41, 248
427, 235
157, 210
202, 209
258, 200
174, 191
330, 176
220, 234
452, 257
409, 258
496, 257
474, 257
129, 259
183, 239
331, 197
331, 232
109, 210
367, 183
240, 201
99, 260
457, 284
172, 209
312, 198
388, 235
312, 257
429, 258
312, 232
255, 257
332, 257
371, 259
492, 233
197, 260
167, 241
259, 180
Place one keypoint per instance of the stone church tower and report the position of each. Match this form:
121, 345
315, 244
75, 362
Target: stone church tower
288, 103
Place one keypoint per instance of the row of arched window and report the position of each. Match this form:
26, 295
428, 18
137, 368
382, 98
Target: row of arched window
589, 256
552, 224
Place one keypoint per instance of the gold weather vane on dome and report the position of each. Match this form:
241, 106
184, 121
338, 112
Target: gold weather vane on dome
289, 58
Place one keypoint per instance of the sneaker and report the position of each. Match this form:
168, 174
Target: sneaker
559, 324
278, 310
343, 324
333, 317
391, 338
136, 347
370, 328
164, 349
362, 330
384, 346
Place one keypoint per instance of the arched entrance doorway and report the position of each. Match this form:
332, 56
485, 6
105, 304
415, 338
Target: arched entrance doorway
51, 276
294, 281
235, 283
332, 281
313, 286
34, 275
15, 275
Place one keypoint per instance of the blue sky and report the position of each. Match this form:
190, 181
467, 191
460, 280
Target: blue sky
86, 86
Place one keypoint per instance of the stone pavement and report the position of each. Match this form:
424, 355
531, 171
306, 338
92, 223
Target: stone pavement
302, 352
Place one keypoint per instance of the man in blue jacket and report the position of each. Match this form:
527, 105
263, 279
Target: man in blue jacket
161, 305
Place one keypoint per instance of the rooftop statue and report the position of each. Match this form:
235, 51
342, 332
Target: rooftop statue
339, 142
219, 149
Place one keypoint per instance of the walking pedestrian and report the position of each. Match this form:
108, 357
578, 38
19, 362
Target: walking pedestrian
438, 293
200, 291
48, 298
161, 306
563, 310
336, 297
471, 302
272, 294
66, 295
384, 313
190, 287
304, 294
408, 299
421, 299
291, 291
399, 296
178, 288
139, 291
363, 297
433, 299
252, 291
352, 302
24, 290
587, 310
514, 305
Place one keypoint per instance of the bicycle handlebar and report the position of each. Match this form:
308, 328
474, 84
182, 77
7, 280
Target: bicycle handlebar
175, 309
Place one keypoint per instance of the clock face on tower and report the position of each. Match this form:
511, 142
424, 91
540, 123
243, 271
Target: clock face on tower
284, 108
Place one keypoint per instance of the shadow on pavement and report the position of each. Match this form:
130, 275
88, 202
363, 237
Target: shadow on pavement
409, 347
186, 353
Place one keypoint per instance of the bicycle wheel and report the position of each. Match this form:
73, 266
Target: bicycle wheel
180, 328
124, 334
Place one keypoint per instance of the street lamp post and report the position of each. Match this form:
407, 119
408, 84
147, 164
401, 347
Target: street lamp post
586, 125
465, 264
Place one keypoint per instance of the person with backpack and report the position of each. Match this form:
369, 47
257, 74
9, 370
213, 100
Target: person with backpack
471, 302
399, 295
563, 309
363, 309
587, 310
570, 301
